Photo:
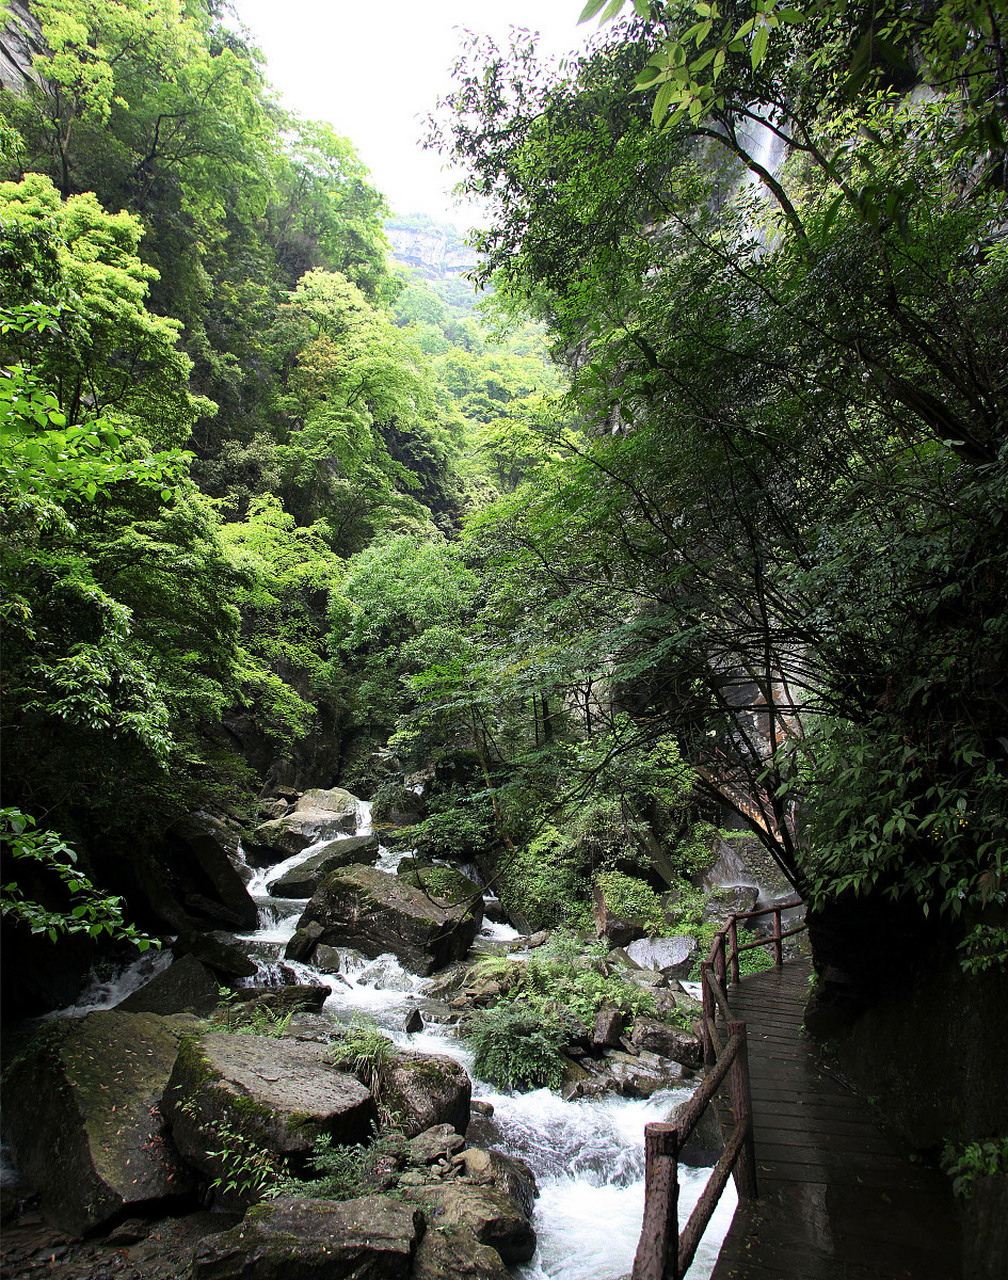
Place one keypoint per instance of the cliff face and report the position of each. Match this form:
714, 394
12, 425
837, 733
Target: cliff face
20, 41
435, 250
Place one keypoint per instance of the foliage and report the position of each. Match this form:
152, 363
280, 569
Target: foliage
515, 1048
337, 1172
249, 1171
88, 909
632, 899
247, 1018
984, 1158
364, 1050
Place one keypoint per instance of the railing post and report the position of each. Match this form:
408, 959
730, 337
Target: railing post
708, 1012
741, 1100
719, 962
657, 1255
733, 949
777, 947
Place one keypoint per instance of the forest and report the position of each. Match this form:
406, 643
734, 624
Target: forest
686, 510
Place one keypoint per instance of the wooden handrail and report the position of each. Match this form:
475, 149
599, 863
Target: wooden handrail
663, 1253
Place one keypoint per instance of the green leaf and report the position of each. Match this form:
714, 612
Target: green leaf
590, 10
759, 46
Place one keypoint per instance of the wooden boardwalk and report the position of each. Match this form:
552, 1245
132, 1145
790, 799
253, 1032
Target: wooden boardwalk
838, 1200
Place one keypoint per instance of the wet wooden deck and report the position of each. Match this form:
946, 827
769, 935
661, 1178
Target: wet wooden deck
838, 1200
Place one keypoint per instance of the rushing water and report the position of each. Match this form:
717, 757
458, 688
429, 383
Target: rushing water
587, 1155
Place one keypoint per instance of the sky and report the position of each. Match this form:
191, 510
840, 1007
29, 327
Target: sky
373, 71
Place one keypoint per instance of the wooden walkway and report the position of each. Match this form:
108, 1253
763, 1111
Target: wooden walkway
838, 1200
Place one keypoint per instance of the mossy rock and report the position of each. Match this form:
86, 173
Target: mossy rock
81, 1109
277, 1094
423, 1090
439, 881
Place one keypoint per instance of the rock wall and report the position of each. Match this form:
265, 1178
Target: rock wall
435, 251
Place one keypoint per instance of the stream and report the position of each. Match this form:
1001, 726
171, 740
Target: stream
587, 1154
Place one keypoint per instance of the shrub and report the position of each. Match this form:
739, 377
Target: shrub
540, 882
515, 1047
632, 899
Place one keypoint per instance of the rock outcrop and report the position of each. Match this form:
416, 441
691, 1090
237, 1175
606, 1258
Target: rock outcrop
278, 1093
425, 1090
81, 1112
186, 986
375, 912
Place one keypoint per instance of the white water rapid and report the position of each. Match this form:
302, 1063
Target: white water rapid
587, 1155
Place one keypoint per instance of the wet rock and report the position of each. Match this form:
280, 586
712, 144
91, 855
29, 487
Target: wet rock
507, 1174
81, 1113
302, 997
704, 1145
729, 900
375, 912
454, 1253
279, 1092
479, 1108
612, 926
668, 1042
303, 942
302, 881
414, 1023
318, 815
186, 986
398, 806
204, 850
219, 952
425, 1090
363, 1239
609, 1027
439, 881
493, 1217
327, 959
435, 1143
493, 910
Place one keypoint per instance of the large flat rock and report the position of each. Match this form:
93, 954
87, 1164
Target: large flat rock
319, 815
375, 912
81, 1112
371, 1238
277, 1093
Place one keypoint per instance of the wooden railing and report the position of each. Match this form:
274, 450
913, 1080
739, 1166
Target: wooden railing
663, 1253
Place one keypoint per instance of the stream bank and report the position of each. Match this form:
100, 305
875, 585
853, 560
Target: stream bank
586, 1153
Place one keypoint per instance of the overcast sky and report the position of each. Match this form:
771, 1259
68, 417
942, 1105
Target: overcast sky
375, 70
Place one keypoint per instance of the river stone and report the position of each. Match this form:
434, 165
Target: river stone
506, 1174
670, 1042
424, 1090
81, 1114
371, 1238
437, 1141
186, 986
661, 953
303, 942
454, 1253
302, 881
280, 1093
326, 959
319, 815
376, 912
610, 1023
494, 1218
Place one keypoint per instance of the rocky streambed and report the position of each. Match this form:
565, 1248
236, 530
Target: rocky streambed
147, 1130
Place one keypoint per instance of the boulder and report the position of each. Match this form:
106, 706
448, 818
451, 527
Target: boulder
81, 1113
668, 1042
204, 849
609, 1027
398, 806
493, 1217
424, 1090
609, 925
663, 953
371, 1238
375, 912
300, 997
318, 815
302, 881
439, 881
303, 942
279, 1093
414, 1023
506, 1174
454, 1253
729, 900
219, 951
326, 959
186, 986
435, 1143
